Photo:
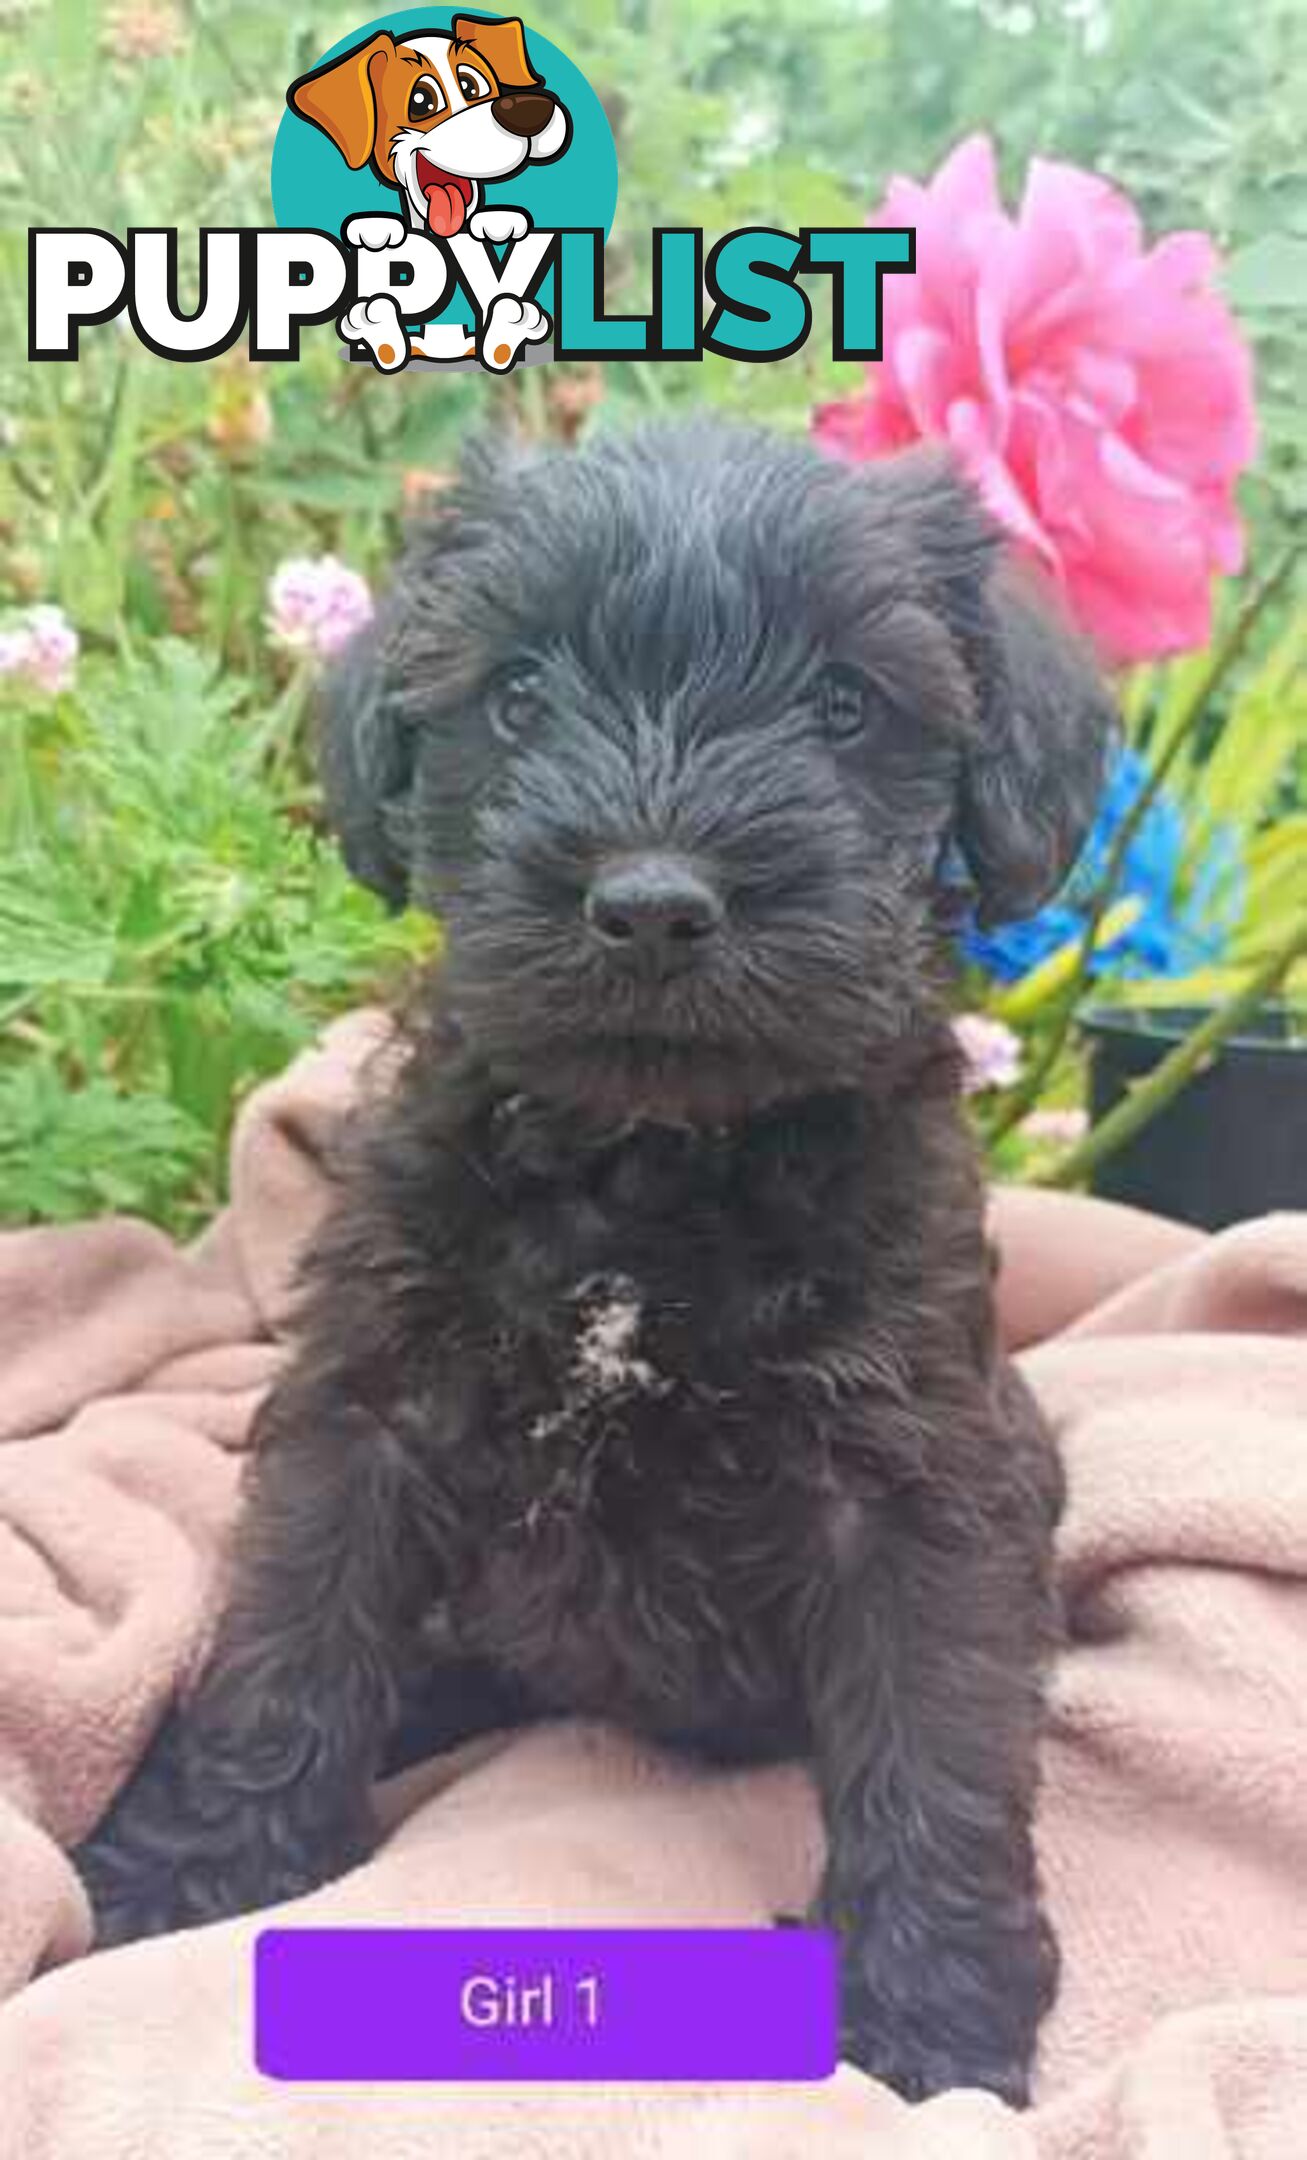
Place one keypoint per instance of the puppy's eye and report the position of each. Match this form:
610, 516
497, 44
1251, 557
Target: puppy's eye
845, 705
425, 99
514, 705
472, 85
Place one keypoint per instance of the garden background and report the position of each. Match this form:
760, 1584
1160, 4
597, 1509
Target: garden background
172, 924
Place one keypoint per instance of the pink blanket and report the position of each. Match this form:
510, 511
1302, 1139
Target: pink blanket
1174, 1820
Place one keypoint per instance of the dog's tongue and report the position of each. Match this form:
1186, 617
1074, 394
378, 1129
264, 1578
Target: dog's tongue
445, 208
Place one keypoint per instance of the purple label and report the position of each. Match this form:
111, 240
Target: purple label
557, 2005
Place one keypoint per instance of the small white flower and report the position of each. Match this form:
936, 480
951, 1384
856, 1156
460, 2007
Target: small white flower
991, 1053
42, 648
315, 605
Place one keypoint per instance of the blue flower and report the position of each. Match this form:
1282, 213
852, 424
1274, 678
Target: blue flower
1186, 917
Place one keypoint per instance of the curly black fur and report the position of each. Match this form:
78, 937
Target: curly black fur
646, 1363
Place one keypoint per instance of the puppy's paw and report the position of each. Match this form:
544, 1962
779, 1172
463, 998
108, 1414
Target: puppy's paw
184, 1843
511, 324
375, 232
499, 225
178, 1882
918, 2072
933, 2047
377, 323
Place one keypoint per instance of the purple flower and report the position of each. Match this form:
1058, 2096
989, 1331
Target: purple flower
315, 605
41, 649
991, 1053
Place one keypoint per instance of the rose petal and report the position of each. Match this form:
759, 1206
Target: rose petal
1096, 390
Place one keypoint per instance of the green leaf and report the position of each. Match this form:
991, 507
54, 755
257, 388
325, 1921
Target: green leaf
68, 1152
44, 937
1270, 273
1239, 783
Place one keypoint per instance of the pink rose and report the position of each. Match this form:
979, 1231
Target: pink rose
1097, 390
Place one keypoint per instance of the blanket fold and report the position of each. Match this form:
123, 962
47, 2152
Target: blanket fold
1173, 1828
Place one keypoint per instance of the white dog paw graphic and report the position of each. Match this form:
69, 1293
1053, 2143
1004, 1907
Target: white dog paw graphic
511, 324
375, 232
444, 341
499, 225
377, 323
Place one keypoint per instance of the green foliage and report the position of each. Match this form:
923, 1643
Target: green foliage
70, 1152
171, 924
725, 111
1236, 781
172, 928
1220, 735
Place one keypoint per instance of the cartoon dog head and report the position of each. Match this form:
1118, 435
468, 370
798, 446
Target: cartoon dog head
437, 114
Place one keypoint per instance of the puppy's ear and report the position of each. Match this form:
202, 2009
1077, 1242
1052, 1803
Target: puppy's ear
1042, 720
1031, 786
341, 99
503, 45
366, 760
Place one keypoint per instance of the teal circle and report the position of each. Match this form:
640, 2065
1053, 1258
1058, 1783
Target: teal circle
313, 186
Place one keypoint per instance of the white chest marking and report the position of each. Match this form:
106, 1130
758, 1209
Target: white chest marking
605, 1364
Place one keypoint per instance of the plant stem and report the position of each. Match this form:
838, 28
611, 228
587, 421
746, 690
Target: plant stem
20, 824
228, 557
1152, 1093
35, 489
276, 738
1191, 713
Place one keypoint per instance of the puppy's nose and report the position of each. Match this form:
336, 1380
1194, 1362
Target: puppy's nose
523, 112
652, 908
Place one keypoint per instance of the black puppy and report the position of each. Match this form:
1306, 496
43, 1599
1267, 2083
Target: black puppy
647, 1357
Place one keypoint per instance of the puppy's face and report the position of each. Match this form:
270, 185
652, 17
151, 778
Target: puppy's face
437, 114
675, 735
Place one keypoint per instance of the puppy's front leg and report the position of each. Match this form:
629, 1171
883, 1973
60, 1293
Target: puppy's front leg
257, 1788
924, 1697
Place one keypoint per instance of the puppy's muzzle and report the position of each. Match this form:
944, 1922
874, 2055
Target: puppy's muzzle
523, 112
653, 913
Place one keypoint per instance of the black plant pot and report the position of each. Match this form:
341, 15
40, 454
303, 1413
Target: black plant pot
1233, 1142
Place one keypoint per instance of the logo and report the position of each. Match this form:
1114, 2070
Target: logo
443, 186
435, 138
